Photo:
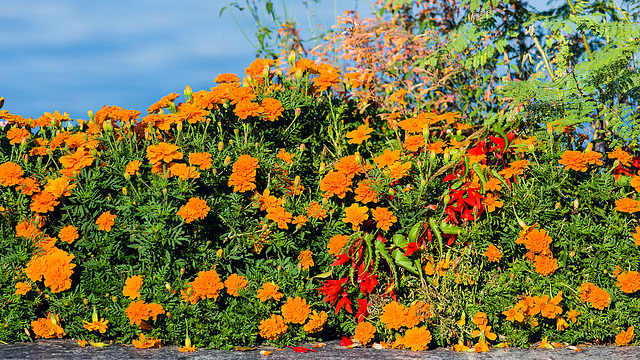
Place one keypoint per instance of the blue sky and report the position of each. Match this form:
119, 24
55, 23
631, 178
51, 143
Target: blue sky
76, 55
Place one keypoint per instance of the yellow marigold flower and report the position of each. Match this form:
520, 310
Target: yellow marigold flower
269, 291
105, 221
492, 253
623, 157
235, 283
306, 259
417, 338
295, 310
629, 282
545, 265
22, 288
364, 332
132, 287
627, 205
316, 322
394, 315
355, 215
625, 337
336, 243
195, 209
272, 328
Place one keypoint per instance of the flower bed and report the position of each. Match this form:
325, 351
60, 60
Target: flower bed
280, 209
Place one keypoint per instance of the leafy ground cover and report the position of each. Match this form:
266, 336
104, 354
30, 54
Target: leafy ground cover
388, 206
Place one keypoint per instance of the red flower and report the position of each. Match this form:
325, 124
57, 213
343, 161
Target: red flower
332, 289
410, 248
300, 349
362, 310
346, 341
344, 302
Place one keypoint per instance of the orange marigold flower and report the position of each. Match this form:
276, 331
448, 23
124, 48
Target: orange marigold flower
235, 283
139, 311
202, 159
545, 265
16, 135
244, 109
96, 325
195, 209
511, 171
625, 337
387, 158
306, 260
269, 291
383, 217
365, 193
207, 285
316, 211
492, 184
359, 135
280, 216
480, 319
627, 205
629, 282
574, 160
572, 315
285, 156
164, 152
271, 109
27, 230
492, 253
244, 173
48, 327
300, 220
29, 186
183, 171
536, 241
598, 298
59, 186
335, 183
356, 215
364, 332
295, 310
226, 78
105, 221
316, 322
133, 166
350, 167
68, 234
394, 315
623, 157
417, 339
414, 142
266, 200
398, 170
336, 243
256, 68
22, 288
491, 202
43, 202
132, 287
81, 158
165, 102
10, 174
436, 147
146, 343
272, 328
328, 77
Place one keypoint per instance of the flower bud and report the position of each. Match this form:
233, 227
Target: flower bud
292, 57
93, 152
297, 112
167, 286
90, 113
127, 177
85, 301
124, 188
25, 158
220, 146
265, 72
246, 82
188, 93
302, 147
164, 191
219, 253
227, 160
299, 74
182, 271
179, 126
